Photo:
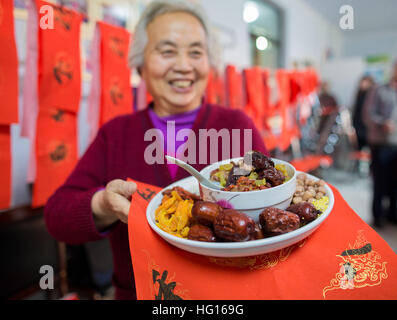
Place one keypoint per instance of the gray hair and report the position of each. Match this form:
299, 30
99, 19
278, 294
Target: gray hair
157, 8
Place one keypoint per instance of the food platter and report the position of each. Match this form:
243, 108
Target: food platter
234, 249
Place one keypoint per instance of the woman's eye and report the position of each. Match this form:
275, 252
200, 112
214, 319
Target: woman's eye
167, 52
196, 54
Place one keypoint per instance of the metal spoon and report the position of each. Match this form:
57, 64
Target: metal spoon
204, 181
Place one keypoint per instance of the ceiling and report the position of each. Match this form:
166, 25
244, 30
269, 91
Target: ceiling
369, 15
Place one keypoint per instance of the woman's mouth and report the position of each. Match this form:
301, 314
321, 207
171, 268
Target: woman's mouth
181, 85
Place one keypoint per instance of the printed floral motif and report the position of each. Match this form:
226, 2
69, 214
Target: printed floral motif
361, 266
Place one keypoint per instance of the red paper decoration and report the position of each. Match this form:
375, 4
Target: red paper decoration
59, 82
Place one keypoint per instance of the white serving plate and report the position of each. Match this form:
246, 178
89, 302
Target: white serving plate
233, 249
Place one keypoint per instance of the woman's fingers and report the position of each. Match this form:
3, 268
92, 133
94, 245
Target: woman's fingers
117, 195
124, 188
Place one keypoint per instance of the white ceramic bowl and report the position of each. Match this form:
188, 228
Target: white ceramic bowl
233, 249
252, 203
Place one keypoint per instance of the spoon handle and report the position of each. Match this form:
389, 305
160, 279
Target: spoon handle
185, 166
192, 171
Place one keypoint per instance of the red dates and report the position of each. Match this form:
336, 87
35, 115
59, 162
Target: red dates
306, 211
200, 232
205, 212
276, 221
232, 225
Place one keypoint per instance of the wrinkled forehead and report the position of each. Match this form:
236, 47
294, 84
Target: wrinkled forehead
178, 28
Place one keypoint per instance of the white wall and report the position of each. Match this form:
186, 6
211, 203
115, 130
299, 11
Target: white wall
228, 15
371, 43
307, 35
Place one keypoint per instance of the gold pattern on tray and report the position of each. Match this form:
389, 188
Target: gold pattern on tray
259, 262
361, 266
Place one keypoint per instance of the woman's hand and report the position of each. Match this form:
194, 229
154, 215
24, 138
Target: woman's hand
112, 203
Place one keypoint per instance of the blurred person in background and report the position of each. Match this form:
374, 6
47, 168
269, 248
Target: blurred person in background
365, 85
380, 118
173, 52
328, 113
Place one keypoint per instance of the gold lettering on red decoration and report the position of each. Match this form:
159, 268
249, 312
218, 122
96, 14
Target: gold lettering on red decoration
164, 286
63, 68
116, 45
58, 115
59, 153
116, 91
63, 17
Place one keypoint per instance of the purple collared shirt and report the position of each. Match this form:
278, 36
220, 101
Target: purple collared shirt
181, 121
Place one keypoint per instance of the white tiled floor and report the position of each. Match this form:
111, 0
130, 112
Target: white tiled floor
357, 191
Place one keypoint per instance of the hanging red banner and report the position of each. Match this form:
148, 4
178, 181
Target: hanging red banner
215, 91
210, 92
59, 59
56, 151
5, 166
59, 83
234, 87
284, 105
8, 65
116, 90
270, 115
309, 85
111, 91
254, 84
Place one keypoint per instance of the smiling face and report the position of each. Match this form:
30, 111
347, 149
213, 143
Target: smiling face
176, 64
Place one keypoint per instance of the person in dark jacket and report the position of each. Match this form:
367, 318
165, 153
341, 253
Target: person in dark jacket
173, 52
380, 118
365, 85
329, 111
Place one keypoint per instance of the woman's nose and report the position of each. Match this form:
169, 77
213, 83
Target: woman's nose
183, 63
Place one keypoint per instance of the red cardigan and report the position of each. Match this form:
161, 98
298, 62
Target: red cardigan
118, 153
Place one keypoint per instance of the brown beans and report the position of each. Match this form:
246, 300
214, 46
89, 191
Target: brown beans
308, 190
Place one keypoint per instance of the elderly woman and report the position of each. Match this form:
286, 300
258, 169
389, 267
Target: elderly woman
172, 53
